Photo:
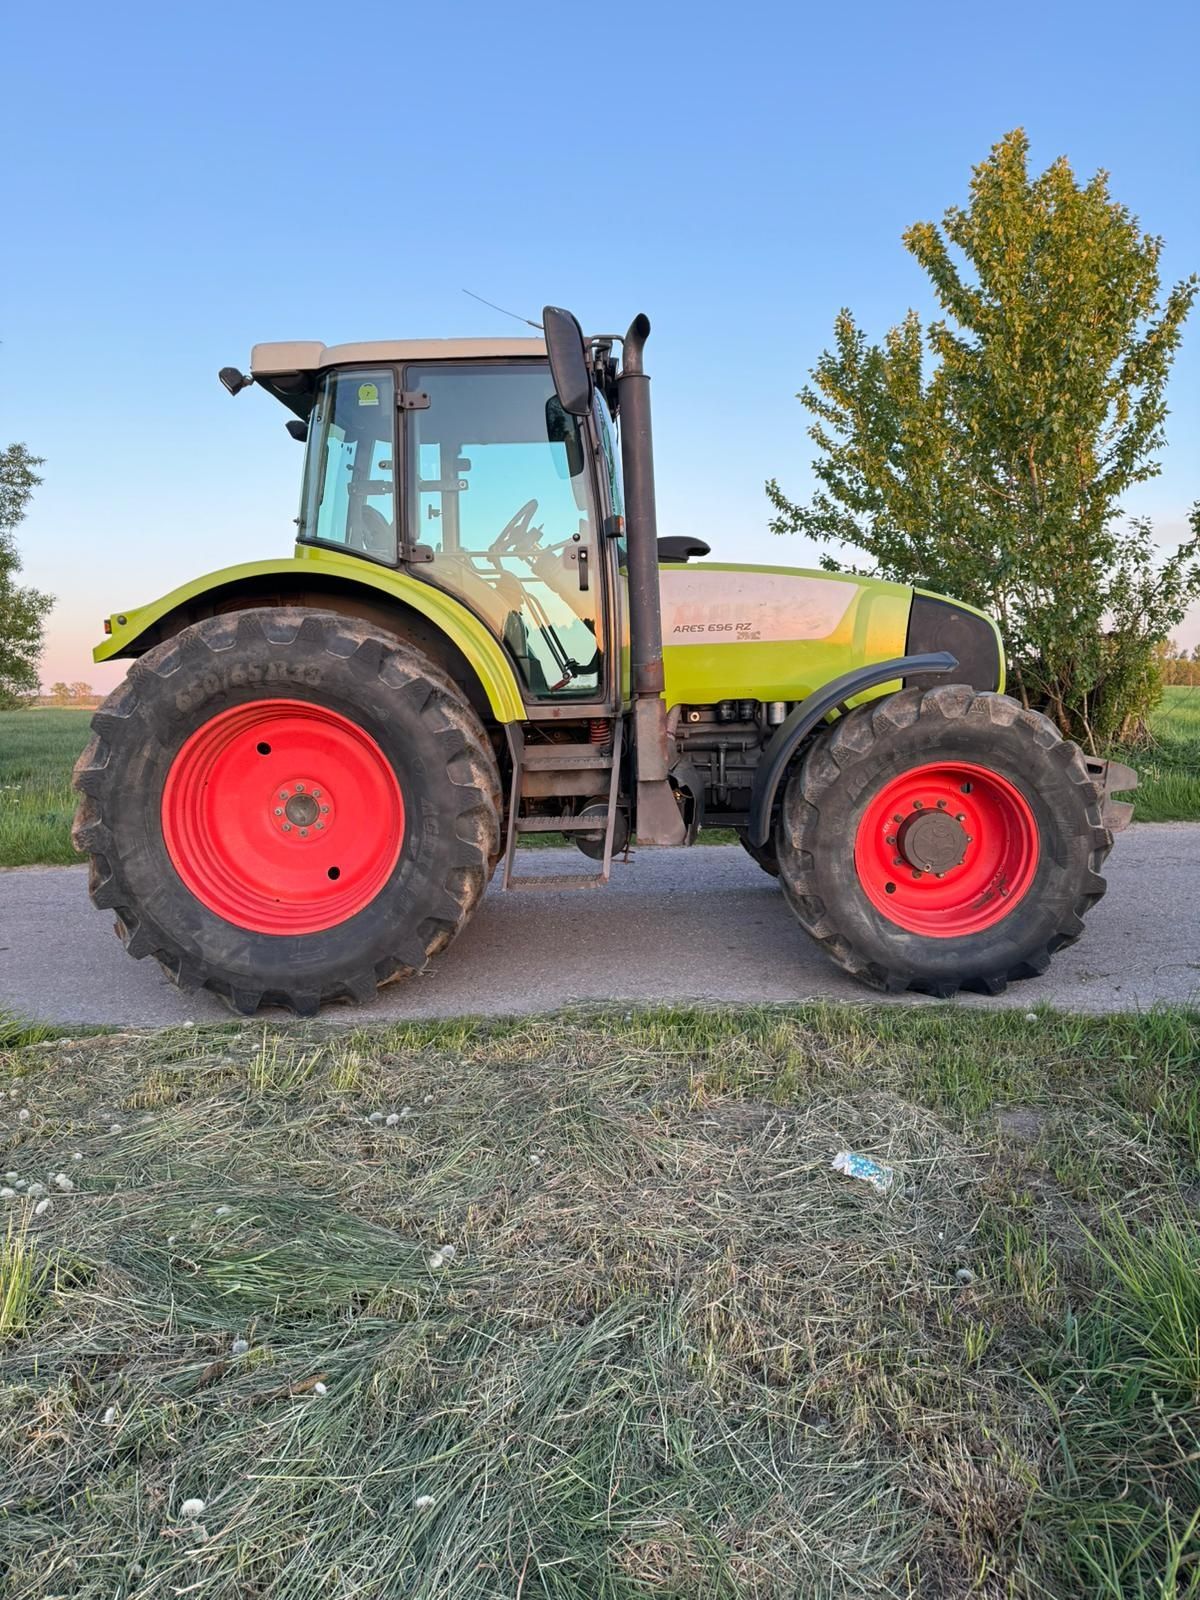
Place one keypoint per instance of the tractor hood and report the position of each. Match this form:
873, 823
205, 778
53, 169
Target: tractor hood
778, 633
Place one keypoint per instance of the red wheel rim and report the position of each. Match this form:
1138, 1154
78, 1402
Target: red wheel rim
946, 849
282, 817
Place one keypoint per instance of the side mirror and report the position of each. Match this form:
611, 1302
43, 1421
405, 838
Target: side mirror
233, 380
568, 361
562, 428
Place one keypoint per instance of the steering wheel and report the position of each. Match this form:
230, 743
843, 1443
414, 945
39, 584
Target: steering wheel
515, 531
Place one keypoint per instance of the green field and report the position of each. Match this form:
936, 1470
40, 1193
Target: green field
1169, 766
38, 750
671, 1356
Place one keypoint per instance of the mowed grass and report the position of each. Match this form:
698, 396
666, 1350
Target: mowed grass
671, 1353
38, 750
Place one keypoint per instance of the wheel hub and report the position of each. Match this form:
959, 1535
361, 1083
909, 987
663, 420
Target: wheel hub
301, 808
932, 841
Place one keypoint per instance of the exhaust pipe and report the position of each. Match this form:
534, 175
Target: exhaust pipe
659, 819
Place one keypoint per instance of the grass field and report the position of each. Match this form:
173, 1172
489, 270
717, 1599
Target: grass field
38, 750
671, 1353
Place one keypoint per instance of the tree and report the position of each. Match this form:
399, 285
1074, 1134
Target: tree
997, 475
81, 691
22, 611
60, 693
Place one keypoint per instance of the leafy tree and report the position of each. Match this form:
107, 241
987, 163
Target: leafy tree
81, 691
60, 693
22, 611
986, 456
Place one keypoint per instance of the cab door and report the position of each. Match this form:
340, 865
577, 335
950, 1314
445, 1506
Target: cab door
502, 498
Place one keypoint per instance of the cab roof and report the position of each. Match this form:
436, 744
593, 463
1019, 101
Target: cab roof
309, 356
289, 370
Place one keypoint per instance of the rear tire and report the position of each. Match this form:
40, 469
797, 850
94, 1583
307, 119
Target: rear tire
985, 919
190, 845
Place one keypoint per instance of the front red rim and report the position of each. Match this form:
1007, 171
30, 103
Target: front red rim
986, 823
282, 817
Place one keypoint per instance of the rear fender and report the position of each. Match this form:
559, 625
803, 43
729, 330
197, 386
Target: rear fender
346, 584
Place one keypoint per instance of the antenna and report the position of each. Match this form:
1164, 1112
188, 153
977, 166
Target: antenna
526, 320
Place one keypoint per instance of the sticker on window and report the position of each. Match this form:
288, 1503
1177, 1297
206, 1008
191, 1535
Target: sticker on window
368, 394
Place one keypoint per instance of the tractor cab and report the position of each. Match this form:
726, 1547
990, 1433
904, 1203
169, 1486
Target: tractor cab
461, 465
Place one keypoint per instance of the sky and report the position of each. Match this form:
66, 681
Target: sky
184, 181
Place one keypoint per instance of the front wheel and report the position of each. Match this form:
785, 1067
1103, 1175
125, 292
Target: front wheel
942, 839
287, 807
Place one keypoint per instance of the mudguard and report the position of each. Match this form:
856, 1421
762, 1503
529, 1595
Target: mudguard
338, 574
795, 728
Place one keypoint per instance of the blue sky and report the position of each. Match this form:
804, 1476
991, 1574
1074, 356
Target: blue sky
183, 181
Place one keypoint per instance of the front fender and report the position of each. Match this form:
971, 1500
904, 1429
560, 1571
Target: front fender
335, 573
791, 733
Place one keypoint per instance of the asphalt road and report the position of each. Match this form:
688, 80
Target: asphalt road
677, 925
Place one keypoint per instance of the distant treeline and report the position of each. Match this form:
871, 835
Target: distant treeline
1178, 666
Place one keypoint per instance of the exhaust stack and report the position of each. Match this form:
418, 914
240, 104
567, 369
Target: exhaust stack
659, 820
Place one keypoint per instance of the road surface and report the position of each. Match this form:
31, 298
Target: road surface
674, 925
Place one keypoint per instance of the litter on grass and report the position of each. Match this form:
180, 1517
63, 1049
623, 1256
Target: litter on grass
872, 1172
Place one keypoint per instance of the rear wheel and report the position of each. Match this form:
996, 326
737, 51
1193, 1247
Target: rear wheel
287, 807
942, 839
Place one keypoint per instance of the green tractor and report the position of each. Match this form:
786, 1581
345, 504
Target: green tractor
315, 764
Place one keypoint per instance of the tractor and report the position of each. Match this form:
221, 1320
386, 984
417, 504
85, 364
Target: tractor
315, 764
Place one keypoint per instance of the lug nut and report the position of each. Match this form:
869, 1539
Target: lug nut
278, 811
287, 827
325, 809
299, 788
320, 824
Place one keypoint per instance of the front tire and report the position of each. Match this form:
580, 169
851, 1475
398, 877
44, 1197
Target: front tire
942, 839
287, 807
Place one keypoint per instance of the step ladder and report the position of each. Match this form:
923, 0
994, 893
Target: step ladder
571, 770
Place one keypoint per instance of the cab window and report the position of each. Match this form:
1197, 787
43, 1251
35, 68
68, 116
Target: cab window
349, 495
